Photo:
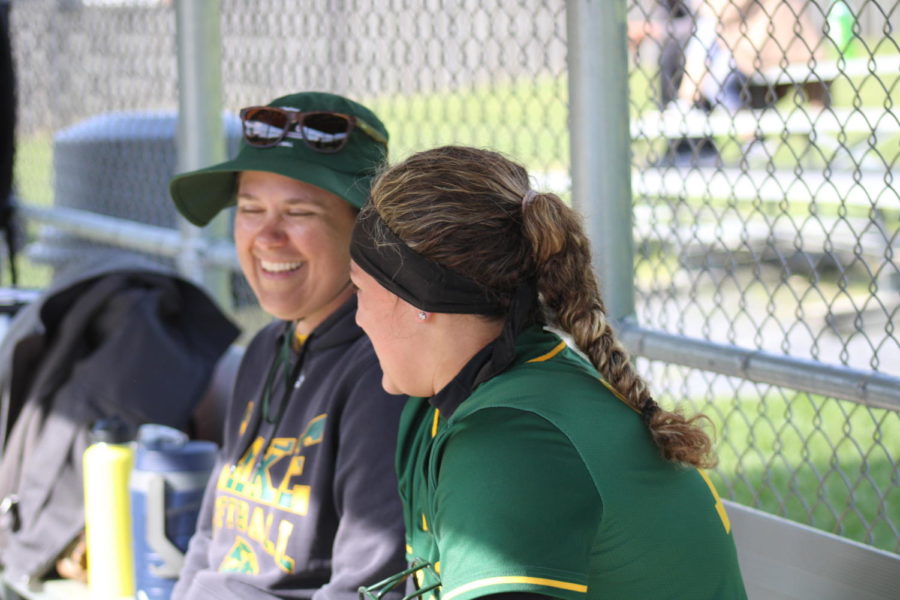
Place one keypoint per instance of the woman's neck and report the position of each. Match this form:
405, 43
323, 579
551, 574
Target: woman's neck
456, 339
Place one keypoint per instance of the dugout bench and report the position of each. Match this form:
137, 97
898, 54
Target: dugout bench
780, 559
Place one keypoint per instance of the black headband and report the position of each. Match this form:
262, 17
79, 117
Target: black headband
418, 280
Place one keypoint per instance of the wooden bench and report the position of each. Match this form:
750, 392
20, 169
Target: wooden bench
673, 123
828, 128
814, 80
778, 210
864, 189
838, 217
857, 130
854, 68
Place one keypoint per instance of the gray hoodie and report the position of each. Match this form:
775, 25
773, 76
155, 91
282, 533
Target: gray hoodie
307, 506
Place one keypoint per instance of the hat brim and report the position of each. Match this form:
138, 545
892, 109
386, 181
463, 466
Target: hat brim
200, 195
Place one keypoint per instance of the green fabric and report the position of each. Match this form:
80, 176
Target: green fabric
200, 195
544, 476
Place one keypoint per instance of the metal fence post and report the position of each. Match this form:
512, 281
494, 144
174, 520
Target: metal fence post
600, 142
201, 140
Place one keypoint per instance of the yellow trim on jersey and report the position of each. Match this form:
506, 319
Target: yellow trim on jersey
720, 508
553, 583
617, 394
434, 424
559, 348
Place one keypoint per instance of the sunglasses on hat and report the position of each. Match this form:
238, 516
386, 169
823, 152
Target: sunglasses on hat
321, 131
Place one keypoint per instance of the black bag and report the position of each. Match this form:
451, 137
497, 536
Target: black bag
137, 343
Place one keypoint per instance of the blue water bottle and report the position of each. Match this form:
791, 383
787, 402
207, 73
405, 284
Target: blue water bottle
167, 484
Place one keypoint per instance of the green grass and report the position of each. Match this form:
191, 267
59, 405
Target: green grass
29, 275
34, 184
828, 463
525, 118
34, 169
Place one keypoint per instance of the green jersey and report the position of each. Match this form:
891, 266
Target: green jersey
544, 481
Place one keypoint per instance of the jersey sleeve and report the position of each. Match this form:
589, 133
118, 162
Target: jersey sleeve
516, 509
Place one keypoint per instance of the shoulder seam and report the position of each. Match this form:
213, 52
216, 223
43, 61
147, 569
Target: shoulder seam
546, 419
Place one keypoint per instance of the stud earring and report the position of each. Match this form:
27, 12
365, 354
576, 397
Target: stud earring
422, 315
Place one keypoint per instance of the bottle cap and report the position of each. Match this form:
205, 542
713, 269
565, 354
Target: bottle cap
111, 430
195, 455
155, 435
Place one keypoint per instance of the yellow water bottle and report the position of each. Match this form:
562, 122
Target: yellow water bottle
107, 510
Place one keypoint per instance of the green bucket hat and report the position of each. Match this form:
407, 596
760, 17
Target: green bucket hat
200, 195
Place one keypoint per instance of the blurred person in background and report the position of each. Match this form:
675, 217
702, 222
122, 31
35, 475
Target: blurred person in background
709, 50
734, 39
303, 500
670, 24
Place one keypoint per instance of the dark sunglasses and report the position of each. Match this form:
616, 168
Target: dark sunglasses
378, 590
325, 132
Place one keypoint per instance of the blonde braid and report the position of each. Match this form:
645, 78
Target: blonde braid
572, 300
463, 208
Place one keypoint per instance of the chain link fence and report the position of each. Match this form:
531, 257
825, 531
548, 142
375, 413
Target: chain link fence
766, 214
765, 138
489, 74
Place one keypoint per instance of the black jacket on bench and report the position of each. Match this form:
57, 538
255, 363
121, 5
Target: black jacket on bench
126, 338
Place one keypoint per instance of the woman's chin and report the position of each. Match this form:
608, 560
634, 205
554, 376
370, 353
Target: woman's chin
391, 387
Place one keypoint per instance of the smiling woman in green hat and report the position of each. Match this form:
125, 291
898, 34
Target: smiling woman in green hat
303, 501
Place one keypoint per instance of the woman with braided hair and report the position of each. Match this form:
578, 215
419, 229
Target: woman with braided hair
525, 469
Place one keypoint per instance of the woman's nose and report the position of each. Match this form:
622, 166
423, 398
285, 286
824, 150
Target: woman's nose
271, 231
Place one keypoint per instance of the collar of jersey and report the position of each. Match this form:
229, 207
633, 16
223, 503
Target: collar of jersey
533, 342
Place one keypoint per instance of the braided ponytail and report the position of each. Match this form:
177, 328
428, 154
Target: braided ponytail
571, 297
473, 212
